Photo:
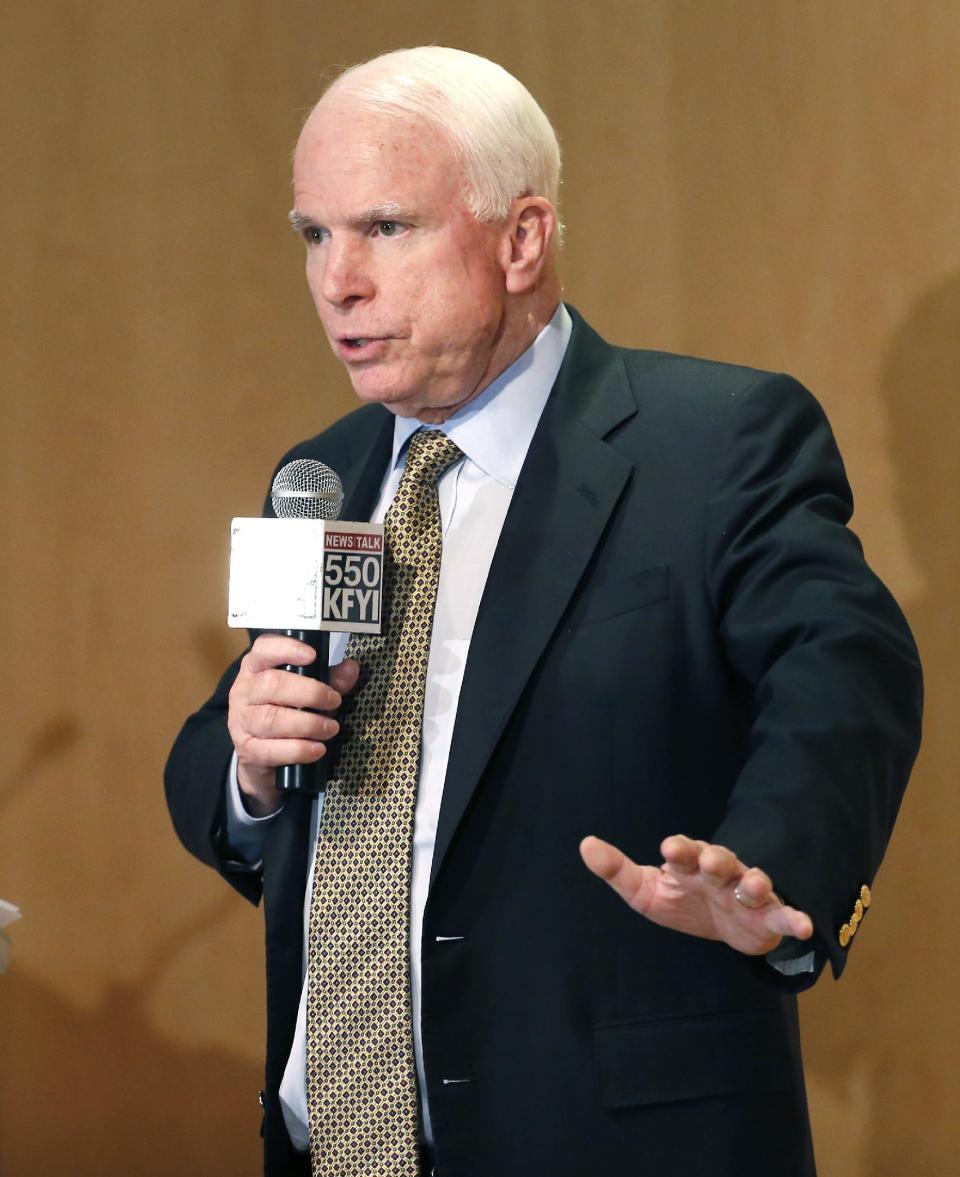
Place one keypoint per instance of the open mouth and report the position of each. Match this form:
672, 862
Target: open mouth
361, 347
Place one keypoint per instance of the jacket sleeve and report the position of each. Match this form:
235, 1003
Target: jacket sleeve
195, 780
825, 653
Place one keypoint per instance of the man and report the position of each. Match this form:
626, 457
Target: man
651, 634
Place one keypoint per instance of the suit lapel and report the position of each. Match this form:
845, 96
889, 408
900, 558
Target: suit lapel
363, 470
570, 483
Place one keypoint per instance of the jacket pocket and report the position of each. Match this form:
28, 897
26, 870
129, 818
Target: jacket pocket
645, 1062
611, 598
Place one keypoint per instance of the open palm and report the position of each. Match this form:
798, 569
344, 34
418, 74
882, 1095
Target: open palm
703, 890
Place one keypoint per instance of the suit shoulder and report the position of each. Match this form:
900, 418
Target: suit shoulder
694, 374
663, 373
712, 389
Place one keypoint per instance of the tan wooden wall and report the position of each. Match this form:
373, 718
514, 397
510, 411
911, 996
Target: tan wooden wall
770, 181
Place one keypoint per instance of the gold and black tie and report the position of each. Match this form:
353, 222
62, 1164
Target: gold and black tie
361, 1080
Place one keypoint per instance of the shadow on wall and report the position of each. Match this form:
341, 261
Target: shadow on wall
99, 1091
109, 1096
881, 1047
52, 739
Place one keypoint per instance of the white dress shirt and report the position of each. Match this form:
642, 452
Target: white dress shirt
494, 432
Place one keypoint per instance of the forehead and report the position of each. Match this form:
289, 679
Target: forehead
348, 156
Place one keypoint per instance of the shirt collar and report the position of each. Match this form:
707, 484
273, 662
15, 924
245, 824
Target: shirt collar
495, 429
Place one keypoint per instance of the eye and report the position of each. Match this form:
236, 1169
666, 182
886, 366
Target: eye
313, 234
389, 228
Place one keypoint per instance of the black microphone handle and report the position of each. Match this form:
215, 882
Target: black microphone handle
308, 779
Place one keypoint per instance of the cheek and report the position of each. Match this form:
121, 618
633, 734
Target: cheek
470, 303
453, 327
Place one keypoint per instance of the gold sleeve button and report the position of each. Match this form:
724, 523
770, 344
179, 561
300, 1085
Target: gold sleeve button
849, 930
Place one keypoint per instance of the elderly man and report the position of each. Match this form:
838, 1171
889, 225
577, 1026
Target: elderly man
628, 625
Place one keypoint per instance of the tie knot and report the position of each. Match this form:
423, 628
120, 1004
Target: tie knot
429, 453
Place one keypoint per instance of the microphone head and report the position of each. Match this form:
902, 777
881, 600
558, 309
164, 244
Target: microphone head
306, 489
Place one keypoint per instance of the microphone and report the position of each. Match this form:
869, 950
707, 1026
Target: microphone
306, 489
305, 575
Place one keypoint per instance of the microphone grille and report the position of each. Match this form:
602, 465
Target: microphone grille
306, 489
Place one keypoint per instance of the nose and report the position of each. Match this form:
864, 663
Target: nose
344, 276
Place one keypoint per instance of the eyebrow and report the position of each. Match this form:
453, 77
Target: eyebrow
379, 212
382, 212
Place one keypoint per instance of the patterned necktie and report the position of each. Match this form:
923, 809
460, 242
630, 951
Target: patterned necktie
361, 1081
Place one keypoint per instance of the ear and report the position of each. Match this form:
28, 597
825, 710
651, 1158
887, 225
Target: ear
527, 246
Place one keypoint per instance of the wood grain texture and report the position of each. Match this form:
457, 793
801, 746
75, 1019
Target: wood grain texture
768, 181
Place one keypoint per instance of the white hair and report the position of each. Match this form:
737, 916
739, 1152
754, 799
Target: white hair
505, 141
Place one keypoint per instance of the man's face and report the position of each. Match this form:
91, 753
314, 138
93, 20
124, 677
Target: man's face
408, 285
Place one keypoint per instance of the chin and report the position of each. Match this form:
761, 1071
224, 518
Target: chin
406, 398
397, 399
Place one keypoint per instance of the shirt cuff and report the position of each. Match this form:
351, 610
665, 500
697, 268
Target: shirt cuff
789, 965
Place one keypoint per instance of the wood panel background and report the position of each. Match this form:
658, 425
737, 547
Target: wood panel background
769, 181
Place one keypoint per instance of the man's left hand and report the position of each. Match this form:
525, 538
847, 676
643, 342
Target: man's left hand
702, 890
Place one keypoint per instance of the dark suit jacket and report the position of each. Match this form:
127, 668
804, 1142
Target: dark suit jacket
678, 634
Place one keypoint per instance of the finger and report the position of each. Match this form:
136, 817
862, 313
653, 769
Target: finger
286, 723
271, 649
276, 753
631, 882
283, 688
681, 855
600, 857
343, 677
720, 867
300, 691
787, 921
754, 889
